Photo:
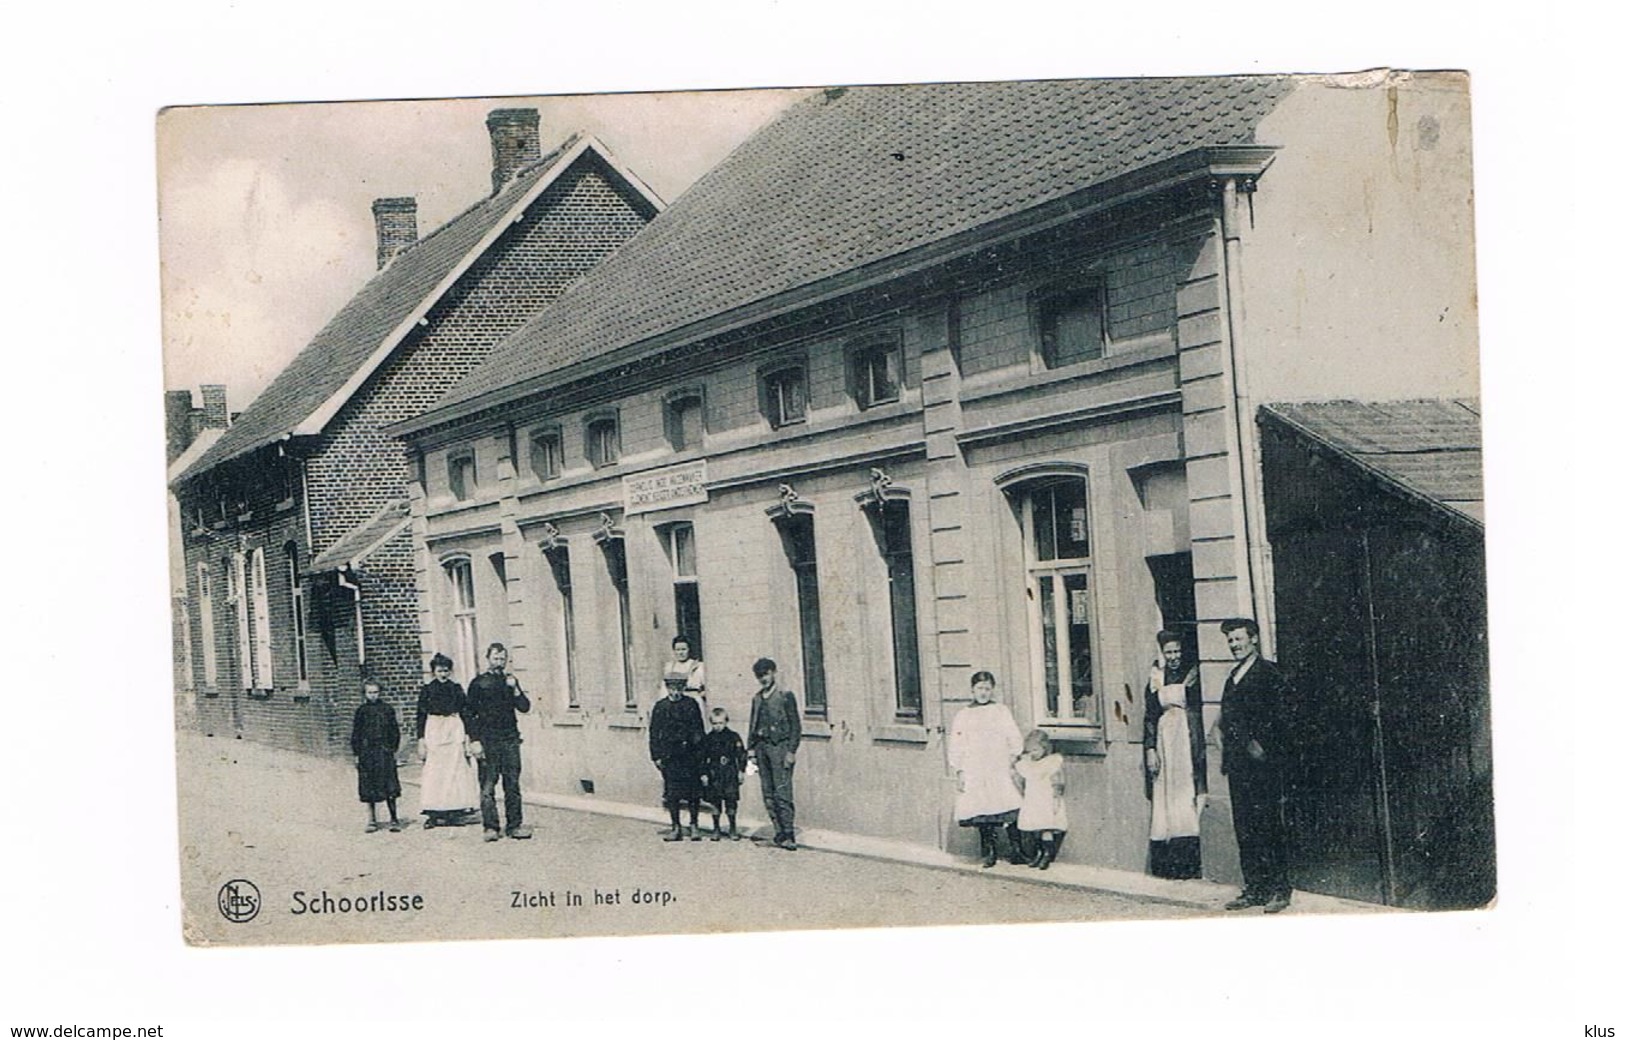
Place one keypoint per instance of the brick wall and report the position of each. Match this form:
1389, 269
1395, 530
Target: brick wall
273, 714
357, 469
354, 469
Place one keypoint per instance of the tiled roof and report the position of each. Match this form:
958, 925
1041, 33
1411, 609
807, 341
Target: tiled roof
361, 541
363, 324
846, 178
1430, 449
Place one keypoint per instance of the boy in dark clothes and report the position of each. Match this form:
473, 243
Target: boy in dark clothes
375, 736
723, 765
676, 734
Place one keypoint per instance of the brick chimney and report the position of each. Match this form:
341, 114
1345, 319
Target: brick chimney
178, 432
215, 416
515, 143
397, 221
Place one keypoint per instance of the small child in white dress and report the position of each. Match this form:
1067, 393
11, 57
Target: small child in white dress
1042, 820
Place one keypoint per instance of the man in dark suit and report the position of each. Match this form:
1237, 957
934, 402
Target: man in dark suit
1255, 729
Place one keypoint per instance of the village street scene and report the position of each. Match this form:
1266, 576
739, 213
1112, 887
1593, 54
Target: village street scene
951, 503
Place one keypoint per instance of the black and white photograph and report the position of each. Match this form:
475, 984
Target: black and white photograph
827, 520
950, 503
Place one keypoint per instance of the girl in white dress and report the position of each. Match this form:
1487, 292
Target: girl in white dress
1042, 820
982, 747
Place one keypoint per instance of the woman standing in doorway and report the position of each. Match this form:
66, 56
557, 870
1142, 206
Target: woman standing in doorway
1175, 761
983, 746
684, 672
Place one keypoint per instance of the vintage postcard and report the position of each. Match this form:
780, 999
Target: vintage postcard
952, 503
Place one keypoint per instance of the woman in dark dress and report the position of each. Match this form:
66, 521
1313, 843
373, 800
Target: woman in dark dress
450, 788
676, 733
375, 736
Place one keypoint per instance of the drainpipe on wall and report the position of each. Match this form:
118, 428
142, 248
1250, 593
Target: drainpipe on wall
360, 633
1249, 472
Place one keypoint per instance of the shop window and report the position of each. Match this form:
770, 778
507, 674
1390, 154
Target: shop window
1054, 517
465, 617
875, 363
1071, 325
546, 454
603, 441
685, 421
461, 476
784, 395
205, 606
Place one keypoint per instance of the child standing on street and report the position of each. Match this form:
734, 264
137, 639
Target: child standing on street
1042, 820
375, 736
723, 766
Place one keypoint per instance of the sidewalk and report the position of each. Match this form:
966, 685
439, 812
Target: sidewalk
1197, 894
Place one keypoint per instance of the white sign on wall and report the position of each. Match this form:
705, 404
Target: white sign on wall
663, 488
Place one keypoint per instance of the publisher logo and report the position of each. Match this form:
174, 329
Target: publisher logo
239, 901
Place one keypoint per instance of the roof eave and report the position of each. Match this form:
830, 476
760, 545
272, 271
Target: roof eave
1211, 161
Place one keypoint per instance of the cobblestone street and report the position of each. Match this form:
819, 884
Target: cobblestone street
290, 824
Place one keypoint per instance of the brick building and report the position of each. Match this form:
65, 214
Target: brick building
298, 561
928, 379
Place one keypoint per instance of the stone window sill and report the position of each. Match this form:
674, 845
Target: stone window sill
816, 729
901, 733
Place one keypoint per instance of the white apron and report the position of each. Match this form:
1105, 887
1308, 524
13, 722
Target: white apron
449, 777
1173, 790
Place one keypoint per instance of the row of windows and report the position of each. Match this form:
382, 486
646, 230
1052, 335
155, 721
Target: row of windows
248, 596
876, 377
1071, 329
224, 500
1053, 515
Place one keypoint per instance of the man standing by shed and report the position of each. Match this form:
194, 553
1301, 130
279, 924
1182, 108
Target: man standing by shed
1256, 734
493, 698
772, 740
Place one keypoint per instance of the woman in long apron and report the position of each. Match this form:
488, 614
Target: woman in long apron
1175, 761
451, 786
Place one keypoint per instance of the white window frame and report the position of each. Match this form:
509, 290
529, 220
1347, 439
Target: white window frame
1056, 572
205, 602
551, 437
774, 382
603, 439
864, 354
296, 602
237, 595
462, 488
464, 615
264, 664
